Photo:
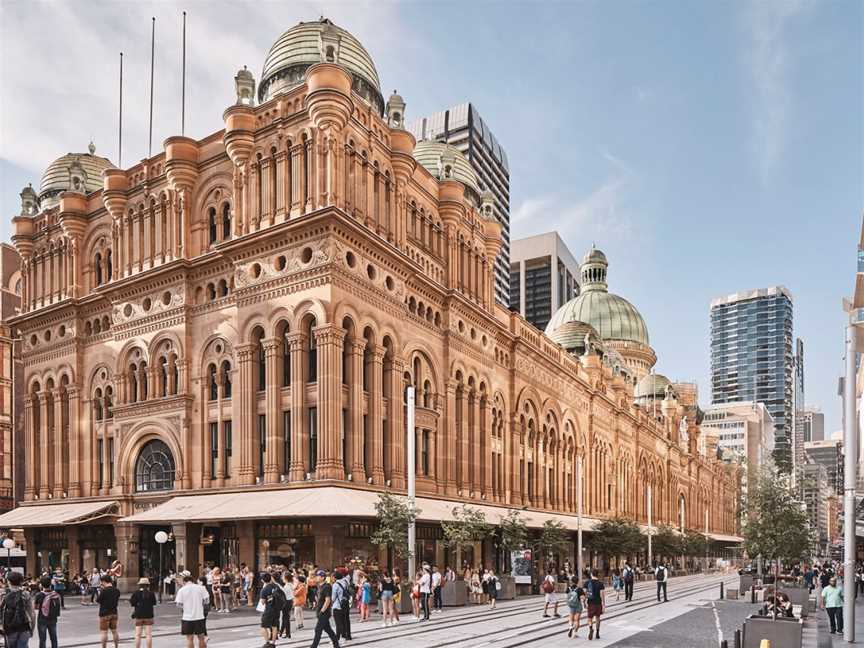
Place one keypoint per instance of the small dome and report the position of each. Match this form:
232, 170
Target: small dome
595, 256
321, 41
81, 172
446, 162
652, 386
571, 336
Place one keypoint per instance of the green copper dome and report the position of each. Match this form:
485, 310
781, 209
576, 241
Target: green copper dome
446, 162
613, 317
320, 41
81, 172
652, 386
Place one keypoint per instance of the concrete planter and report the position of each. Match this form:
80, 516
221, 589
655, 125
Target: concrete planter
455, 593
782, 631
745, 582
508, 588
798, 596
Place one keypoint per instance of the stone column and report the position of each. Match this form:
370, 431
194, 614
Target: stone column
31, 451
266, 199
299, 441
294, 187
44, 445
274, 422
376, 410
310, 182
328, 339
279, 209
447, 458
59, 444
486, 443
126, 535
244, 469
396, 389
74, 548
356, 465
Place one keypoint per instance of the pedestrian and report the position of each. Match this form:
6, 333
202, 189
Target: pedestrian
323, 610
108, 598
288, 610
476, 586
301, 593
449, 574
143, 603
415, 596
617, 584
596, 604
270, 604
425, 591
387, 590
548, 587
17, 613
58, 584
312, 587
94, 581
628, 576
661, 575
342, 594
192, 598
494, 589
47, 604
437, 597
832, 601
575, 603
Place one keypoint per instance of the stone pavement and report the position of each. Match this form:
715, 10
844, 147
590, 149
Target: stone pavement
693, 618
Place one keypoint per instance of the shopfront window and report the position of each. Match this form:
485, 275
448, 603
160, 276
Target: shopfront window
285, 544
154, 470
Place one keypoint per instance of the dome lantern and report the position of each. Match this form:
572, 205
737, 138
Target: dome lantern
244, 85
29, 201
396, 111
594, 269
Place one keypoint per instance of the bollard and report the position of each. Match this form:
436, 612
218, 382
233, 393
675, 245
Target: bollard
721, 590
752, 593
737, 643
724, 644
765, 644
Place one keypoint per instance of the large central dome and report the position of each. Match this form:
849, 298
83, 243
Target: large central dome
321, 41
613, 317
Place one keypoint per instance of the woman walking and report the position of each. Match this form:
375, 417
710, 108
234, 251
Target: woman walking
143, 601
476, 589
300, 594
617, 584
415, 597
365, 598
494, 588
387, 589
397, 596
576, 603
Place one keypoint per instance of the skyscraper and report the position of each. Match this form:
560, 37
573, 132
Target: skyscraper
462, 127
752, 359
543, 277
798, 407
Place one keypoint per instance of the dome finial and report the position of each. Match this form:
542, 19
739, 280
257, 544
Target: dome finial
91, 147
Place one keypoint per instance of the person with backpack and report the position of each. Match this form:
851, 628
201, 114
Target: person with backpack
143, 602
48, 604
628, 576
270, 604
108, 597
288, 610
494, 589
575, 603
17, 613
324, 610
594, 596
661, 575
58, 584
548, 587
343, 594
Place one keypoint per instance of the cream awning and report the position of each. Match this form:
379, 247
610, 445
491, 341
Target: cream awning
719, 537
37, 515
317, 502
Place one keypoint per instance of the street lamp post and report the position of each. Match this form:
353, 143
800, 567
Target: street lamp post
412, 477
650, 552
850, 447
579, 563
8, 545
161, 538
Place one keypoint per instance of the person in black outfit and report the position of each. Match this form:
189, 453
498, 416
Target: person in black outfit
323, 608
47, 604
143, 601
628, 576
342, 597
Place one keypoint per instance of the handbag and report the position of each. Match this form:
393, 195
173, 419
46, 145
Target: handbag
261, 606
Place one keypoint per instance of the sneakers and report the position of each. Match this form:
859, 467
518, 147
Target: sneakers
385, 625
570, 632
545, 616
590, 633
557, 615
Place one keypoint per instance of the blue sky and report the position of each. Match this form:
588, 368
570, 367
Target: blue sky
708, 148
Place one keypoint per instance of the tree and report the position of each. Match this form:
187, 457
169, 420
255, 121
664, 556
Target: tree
469, 525
615, 537
693, 544
666, 542
513, 531
394, 516
553, 538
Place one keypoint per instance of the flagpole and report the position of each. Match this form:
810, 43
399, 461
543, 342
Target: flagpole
152, 70
120, 126
183, 87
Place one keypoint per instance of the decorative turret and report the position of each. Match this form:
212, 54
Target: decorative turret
181, 169
29, 201
396, 111
244, 85
329, 95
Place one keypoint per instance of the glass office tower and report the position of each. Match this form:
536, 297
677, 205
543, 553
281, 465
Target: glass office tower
752, 357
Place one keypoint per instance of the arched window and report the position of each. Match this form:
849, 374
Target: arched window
97, 263
97, 404
226, 222
313, 353
154, 469
108, 264
133, 384
260, 359
109, 402
163, 376
226, 379
211, 382
211, 221
143, 379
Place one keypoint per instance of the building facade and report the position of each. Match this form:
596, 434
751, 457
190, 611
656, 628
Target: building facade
798, 401
752, 358
744, 431
816, 493
829, 454
218, 340
11, 412
463, 128
544, 276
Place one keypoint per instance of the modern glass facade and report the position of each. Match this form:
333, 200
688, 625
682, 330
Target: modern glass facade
752, 357
462, 127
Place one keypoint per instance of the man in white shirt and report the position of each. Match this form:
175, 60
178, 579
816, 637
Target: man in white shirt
192, 598
437, 599
661, 575
425, 590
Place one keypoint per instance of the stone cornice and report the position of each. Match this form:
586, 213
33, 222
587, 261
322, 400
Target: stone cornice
152, 406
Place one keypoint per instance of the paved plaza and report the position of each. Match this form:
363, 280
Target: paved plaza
691, 618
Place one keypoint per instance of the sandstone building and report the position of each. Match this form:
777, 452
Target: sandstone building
217, 343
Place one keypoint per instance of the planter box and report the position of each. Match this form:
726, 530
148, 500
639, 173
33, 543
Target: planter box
745, 582
782, 632
508, 588
798, 596
732, 594
454, 593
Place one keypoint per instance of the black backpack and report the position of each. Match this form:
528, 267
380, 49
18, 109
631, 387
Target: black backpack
13, 611
661, 573
346, 593
277, 599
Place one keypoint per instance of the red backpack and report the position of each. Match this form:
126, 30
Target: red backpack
548, 586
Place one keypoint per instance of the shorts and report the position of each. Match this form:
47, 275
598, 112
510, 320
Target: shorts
270, 620
551, 598
594, 610
108, 623
196, 627
143, 622
386, 595
575, 610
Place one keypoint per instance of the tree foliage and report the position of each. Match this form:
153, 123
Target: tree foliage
469, 525
693, 544
666, 542
394, 516
615, 537
513, 531
553, 537
776, 525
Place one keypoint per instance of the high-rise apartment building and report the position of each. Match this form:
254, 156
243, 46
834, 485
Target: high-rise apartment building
463, 128
752, 357
812, 425
816, 492
830, 455
798, 406
544, 276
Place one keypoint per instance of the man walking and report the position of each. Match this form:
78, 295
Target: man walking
342, 596
425, 591
549, 596
16, 613
832, 601
661, 575
270, 604
47, 604
108, 598
594, 596
192, 598
324, 608
437, 600
628, 577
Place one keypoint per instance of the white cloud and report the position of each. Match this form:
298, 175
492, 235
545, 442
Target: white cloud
767, 24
